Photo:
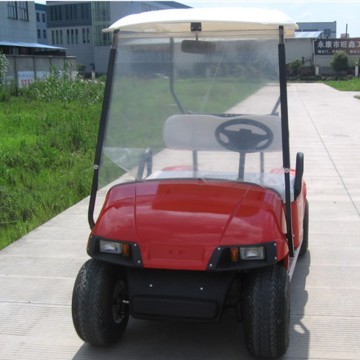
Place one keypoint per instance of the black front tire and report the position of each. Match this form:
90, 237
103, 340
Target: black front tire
266, 312
99, 303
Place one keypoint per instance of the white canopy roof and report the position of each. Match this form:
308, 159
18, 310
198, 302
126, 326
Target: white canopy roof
211, 19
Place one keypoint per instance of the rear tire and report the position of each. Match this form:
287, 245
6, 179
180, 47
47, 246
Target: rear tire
305, 242
266, 312
99, 312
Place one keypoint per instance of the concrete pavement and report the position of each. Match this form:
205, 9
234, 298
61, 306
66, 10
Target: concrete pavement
37, 272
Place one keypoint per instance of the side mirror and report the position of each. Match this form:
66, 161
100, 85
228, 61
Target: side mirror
299, 173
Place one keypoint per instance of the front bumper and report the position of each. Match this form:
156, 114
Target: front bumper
168, 294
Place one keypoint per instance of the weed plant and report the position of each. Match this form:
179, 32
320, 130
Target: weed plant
61, 87
46, 152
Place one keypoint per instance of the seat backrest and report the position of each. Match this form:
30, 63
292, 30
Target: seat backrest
197, 131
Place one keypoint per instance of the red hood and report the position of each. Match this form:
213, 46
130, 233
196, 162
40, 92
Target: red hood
178, 224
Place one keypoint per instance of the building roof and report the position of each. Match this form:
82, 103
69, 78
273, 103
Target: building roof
211, 19
307, 34
173, 4
30, 45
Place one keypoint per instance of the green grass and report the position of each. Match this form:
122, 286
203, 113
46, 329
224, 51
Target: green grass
46, 155
148, 103
224, 94
345, 85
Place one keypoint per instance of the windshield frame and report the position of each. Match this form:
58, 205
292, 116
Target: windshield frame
283, 104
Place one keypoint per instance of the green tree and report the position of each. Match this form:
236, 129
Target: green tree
340, 62
295, 66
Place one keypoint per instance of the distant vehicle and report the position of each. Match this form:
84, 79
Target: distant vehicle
202, 211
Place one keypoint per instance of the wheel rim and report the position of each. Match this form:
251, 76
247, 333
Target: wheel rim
119, 307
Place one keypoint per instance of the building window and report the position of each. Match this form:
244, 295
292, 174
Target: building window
57, 37
58, 13
39, 34
68, 36
67, 12
51, 13
147, 7
84, 12
23, 10
55, 13
101, 11
76, 36
12, 10
71, 12
44, 34
37, 17
88, 35
101, 20
327, 33
43, 18
100, 38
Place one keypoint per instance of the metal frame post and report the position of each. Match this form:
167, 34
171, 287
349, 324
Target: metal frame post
285, 138
102, 129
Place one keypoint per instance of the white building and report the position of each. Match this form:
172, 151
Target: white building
327, 28
17, 21
78, 26
19, 34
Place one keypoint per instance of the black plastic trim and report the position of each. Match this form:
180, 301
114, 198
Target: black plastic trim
299, 174
163, 307
220, 259
134, 260
177, 294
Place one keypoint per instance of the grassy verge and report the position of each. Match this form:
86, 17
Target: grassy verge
46, 155
345, 85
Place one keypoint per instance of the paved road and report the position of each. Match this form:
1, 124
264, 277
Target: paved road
38, 271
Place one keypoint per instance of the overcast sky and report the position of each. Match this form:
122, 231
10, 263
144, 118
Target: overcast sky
343, 12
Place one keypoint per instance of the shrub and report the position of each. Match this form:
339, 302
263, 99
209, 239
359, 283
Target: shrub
4, 89
340, 62
4, 63
60, 86
295, 66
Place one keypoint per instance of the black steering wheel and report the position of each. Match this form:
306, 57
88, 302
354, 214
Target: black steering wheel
237, 135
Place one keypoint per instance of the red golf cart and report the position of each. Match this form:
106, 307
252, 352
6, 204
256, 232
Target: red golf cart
193, 173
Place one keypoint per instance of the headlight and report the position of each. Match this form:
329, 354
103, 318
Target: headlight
252, 253
114, 251
111, 247
243, 257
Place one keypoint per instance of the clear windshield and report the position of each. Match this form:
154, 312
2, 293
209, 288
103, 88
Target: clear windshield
193, 110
